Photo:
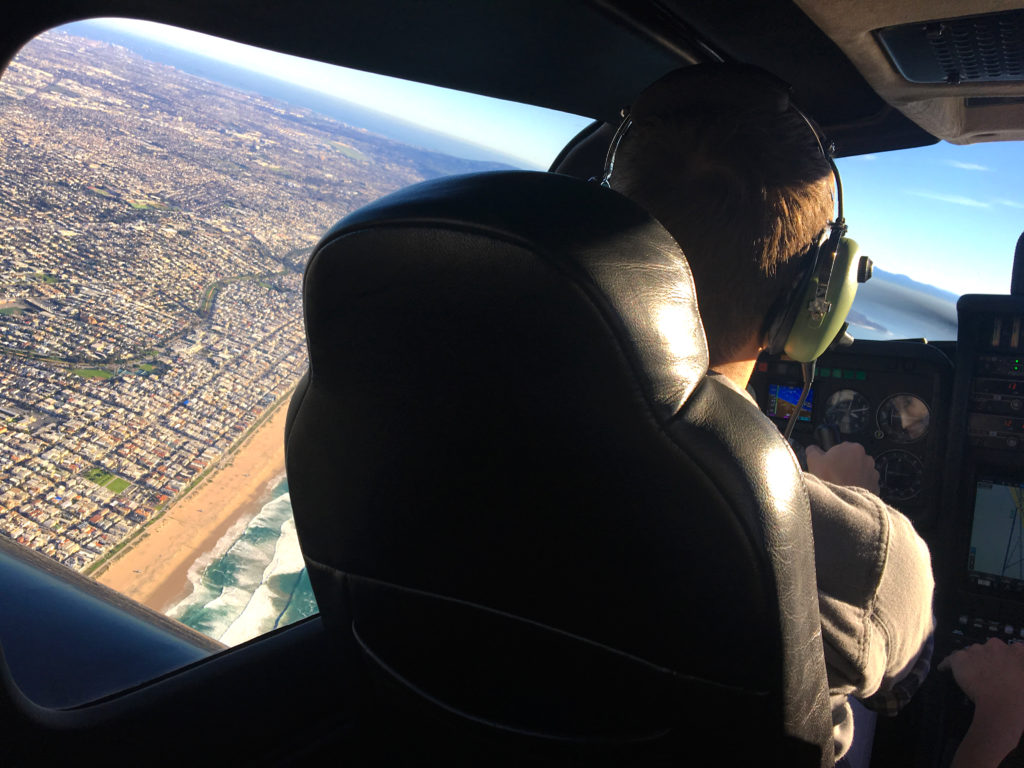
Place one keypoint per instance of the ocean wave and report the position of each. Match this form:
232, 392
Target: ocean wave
270, 599
253, 581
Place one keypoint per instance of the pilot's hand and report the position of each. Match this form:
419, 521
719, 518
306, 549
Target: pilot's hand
843, 464
990, 672
992, 676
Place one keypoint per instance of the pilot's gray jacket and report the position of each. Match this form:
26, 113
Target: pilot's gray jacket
875, 589
874, 593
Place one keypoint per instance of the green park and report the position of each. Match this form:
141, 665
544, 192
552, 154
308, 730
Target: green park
106, 479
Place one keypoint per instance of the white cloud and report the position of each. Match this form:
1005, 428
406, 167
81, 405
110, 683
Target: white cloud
955, 199
1010, 203
967, 166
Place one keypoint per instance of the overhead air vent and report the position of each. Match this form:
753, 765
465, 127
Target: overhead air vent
994, 101
972, 49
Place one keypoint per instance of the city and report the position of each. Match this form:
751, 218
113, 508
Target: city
152, 238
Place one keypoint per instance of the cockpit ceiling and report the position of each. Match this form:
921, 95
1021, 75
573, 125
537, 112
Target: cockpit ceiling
969, 109
591, 57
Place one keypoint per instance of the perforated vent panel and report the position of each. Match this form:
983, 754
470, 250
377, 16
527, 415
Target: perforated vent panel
971, 49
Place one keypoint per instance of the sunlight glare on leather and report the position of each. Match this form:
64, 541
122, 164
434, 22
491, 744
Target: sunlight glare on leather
779, 465
676, 327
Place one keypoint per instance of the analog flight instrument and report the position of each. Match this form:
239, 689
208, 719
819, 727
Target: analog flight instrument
900, 475
848, 411
903, 418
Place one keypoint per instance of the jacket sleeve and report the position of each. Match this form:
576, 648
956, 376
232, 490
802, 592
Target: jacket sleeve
875, 589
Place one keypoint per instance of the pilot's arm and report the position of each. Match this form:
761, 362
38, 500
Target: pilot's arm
875, 589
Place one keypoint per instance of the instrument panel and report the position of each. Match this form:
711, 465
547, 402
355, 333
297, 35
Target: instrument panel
984, 539
891, 397
945, 425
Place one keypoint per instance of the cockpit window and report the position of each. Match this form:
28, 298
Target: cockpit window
939, 222
162, 192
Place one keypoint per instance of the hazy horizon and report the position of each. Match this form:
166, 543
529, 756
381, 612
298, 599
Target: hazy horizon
943, 215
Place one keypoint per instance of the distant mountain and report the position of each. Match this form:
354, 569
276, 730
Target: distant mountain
908, 282
330, 106
892, 306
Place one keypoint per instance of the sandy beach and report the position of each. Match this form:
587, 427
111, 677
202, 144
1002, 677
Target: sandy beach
153, 570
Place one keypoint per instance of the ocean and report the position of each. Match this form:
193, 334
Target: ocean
253, 581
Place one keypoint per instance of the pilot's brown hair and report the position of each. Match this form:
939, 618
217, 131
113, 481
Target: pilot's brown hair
740, 181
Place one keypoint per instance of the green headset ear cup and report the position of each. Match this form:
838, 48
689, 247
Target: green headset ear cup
809, 337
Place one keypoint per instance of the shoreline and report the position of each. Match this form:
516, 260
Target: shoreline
153, 570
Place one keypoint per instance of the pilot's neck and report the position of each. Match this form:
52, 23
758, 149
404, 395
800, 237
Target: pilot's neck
738, 371
741, 365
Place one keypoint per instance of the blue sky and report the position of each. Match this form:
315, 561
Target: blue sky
944, 215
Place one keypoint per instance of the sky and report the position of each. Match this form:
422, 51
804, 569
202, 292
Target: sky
944, 215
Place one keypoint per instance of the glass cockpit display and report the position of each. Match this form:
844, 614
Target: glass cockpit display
997, 531
782, 402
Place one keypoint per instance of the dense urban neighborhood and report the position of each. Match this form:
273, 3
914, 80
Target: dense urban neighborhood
153, 230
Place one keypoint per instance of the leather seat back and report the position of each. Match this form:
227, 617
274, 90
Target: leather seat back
507, 431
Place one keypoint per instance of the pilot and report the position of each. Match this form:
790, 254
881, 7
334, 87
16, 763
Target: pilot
738, 176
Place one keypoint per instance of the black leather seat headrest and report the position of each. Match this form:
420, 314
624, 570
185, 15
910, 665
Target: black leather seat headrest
597, 248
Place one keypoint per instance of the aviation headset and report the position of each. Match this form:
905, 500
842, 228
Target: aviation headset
811, 315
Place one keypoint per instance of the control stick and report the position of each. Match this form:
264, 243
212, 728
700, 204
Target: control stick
807, 369
827, 435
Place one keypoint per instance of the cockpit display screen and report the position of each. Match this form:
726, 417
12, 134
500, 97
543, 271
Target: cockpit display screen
782, 402
997, 543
